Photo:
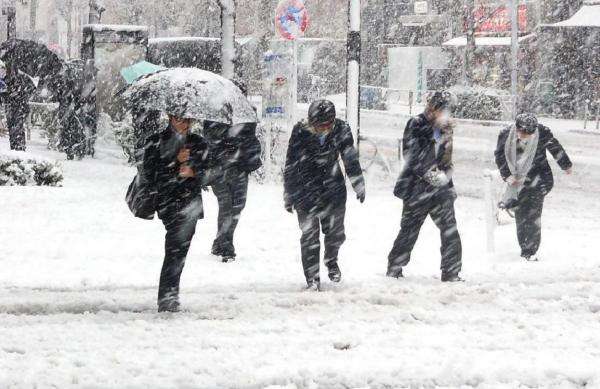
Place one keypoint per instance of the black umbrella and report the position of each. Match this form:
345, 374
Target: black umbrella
30, 57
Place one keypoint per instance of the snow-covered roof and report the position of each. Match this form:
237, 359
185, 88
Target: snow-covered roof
115, 27
240, 40
486, 41
587, 16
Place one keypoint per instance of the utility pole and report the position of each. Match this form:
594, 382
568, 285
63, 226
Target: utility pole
353, 70
514, 52
11, 24
469, 12
33, 6
227, 38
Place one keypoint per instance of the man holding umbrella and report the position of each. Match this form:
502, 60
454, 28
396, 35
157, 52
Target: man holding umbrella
174, 165
27, 64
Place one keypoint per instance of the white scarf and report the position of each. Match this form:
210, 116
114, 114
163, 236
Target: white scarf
519, 166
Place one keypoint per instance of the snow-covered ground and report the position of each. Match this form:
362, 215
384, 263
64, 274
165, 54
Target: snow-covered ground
79, 279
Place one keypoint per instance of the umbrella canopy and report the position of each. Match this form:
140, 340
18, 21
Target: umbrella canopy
135, 71
192, 93
29, 57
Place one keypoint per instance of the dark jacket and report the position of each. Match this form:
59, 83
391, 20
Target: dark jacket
540, 176
161, 170
418, 150
313, 177
236, 148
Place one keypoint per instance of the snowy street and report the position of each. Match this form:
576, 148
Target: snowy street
79, 280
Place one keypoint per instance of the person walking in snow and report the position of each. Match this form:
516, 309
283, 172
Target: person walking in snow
314, 186
521, 157
426, 188
238, 150
174, 165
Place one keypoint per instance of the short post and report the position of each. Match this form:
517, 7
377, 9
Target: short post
597, 114
489, 210
585, 113
410, 101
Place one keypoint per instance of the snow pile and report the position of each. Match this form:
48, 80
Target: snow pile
23, 169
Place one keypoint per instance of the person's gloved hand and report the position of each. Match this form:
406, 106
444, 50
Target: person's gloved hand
436, 178
289, 208
513, 181
361, 196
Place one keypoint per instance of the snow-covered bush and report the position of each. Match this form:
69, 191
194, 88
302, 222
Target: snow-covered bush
22, 169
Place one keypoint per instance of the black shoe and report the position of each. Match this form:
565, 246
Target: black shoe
451, 278
395, 273
216, 248
228, 258
334, 272
313, 285
530, 258
168, 304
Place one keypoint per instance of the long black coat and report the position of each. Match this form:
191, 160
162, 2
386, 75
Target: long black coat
313, 177
161, 171
540, 176
418, 150
236, 149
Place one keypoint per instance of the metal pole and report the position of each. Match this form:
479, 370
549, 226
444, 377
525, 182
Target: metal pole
514, 51
353, 71
294, 84
227, 38
11, 23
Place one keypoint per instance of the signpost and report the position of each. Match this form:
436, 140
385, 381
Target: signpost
280, 75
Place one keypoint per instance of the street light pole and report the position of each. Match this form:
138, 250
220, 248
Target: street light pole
514, 52
353, 70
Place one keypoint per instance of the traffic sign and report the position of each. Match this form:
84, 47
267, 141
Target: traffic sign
291, 19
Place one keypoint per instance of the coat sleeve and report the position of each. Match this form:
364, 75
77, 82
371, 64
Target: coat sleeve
500, 155
150, 160
290, 172
557, 151
351, 162
250, 148
413, 149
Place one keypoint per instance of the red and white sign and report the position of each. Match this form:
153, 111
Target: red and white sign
498, 19
291, 19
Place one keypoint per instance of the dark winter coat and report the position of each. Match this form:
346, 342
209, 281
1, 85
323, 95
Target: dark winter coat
19, 90
161, 170
418, 150
540, 176
235, 148
313, 176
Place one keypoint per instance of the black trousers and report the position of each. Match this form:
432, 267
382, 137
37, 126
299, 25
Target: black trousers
440, 206
231, 194
180, 227
528, 216
330, 220
16, 114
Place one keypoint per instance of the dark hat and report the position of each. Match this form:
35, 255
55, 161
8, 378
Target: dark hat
440, 100
321, 111
526, 122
